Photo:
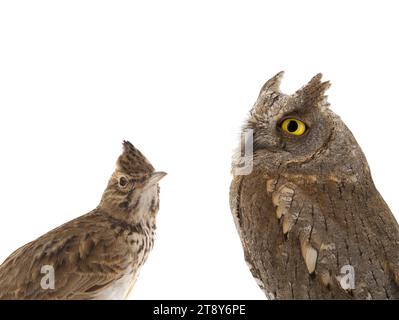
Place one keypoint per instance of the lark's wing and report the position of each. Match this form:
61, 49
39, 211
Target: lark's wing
86, 254
334, 241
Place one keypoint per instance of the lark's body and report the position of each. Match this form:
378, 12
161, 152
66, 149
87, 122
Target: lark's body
97, 255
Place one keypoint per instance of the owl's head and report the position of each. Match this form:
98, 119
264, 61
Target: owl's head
299, 133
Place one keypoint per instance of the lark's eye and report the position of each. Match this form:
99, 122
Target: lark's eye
123, 182
293, 126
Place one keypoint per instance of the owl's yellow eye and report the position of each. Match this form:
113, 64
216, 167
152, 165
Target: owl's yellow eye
293, 126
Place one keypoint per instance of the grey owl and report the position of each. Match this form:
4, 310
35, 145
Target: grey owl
311, 222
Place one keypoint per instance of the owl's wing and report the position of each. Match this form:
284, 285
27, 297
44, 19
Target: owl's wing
327, 242
83, 260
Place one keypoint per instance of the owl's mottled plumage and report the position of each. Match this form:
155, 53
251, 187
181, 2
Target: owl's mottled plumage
309, 211
98, 255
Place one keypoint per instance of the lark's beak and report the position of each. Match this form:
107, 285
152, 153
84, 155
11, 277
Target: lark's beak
154, 178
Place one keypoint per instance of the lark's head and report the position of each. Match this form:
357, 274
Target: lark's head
132, 193
298, 133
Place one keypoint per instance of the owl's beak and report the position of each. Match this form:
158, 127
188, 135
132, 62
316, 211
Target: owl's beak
155, 178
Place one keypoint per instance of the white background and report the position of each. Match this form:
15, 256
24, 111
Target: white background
177, 79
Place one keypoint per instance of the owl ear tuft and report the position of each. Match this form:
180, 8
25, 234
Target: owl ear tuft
267, 92
313, 93
272, 85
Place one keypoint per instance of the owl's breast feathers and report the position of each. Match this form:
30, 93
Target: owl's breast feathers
317, 240
89, 256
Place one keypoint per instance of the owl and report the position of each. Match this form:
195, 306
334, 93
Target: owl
311, 221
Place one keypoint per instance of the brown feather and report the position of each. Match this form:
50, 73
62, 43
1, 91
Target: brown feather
97, 255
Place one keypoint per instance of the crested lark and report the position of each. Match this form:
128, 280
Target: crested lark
98, 255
